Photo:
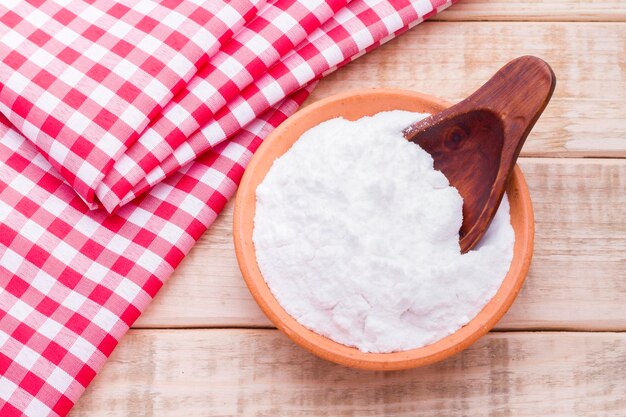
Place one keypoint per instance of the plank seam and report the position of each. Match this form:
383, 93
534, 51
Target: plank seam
499, 330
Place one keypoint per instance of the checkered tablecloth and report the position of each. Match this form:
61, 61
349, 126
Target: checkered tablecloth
124, 129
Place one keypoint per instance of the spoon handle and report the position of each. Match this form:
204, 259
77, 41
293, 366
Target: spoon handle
518, 93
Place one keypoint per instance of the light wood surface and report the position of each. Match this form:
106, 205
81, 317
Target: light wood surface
536, 10
451, 59
180, 360
261, 373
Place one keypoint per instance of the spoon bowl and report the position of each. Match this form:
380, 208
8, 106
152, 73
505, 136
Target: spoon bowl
352, 106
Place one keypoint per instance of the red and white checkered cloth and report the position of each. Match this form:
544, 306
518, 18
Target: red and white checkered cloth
149, 111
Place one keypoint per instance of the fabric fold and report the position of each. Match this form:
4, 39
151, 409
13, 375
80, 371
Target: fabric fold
82, 80
277, 29
360, 26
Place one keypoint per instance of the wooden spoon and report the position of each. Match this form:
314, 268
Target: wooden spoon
476, 142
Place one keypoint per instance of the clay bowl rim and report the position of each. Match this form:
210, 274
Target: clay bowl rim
283, 137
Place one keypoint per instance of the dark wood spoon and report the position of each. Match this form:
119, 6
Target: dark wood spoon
476, 142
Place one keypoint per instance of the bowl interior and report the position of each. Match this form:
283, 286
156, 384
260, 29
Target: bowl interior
354, 105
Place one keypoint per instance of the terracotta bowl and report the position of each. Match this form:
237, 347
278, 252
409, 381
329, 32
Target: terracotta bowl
353, 105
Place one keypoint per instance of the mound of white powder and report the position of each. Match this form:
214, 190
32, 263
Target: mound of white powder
357, 237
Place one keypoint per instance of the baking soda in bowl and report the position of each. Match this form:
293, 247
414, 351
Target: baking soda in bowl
357, 237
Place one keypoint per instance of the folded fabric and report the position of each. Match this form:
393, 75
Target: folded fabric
185, 134
82, 87
173, 97
82, 80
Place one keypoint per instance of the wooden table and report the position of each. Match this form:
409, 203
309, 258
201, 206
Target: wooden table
204, 348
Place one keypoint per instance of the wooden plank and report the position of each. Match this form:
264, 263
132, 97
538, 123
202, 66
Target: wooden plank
451, 59
536, 10
577, 279
260, 372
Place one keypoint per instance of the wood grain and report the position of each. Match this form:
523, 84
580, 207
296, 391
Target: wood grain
262, 373
451, 59
577, 278
536, 10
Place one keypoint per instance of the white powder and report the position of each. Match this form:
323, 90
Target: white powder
357, 237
